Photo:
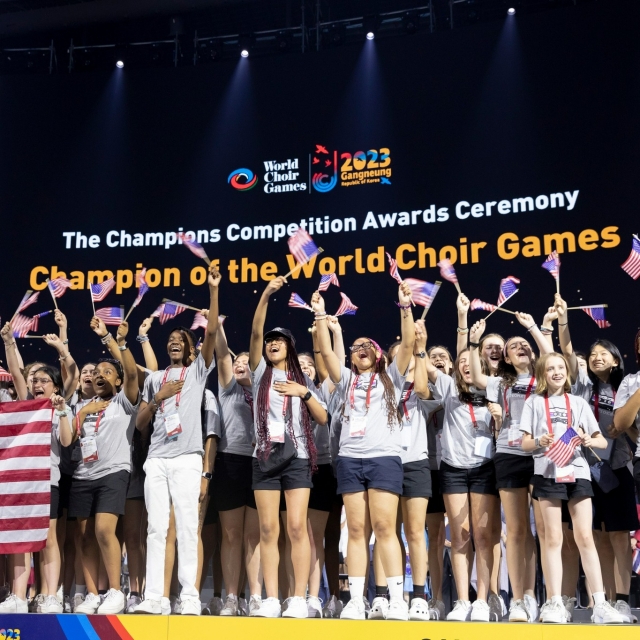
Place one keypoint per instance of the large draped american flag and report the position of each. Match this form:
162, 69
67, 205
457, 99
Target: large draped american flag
25, 475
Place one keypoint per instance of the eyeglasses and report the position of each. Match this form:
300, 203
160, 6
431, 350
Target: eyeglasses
363, 346
41, 380
271, 340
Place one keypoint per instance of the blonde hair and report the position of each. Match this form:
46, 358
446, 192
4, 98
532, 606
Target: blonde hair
541, 373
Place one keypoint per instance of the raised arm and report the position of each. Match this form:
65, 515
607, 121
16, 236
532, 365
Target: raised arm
259, 318
407, 329
321, 368
210, 332
130, 384
546, 328
331, 360
527, 321
64, 355
11, 355
61, 321
223, 359
338, 339
420, 376
462, 304
150, 360
565, 336
478, 379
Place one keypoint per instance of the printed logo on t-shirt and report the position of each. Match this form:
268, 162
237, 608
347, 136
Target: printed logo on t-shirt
605, 403
559, 415
362, 383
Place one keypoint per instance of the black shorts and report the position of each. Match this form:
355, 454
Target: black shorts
549, 488
616, 510
436, 502
636, 474
513, 471
296, 475
65, 489
480, 479
212, 516
230, 486
416, 481
361, 474
323, 492
55, 505
104, 495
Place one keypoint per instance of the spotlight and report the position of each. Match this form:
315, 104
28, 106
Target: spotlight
119, 64
370, 35
244, 53
370, 26
511, 11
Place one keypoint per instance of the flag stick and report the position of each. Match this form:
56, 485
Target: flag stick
590, 449
93, 306
55, 302
122, 312
458, 288
588, 306
186, 306
233, 355
499, 307
424, 311
29, 336
133, 306
29, 292
320, 250
558, 283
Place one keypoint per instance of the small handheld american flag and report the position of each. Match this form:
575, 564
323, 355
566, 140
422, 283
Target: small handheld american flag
449, 273
143, 287
168, 311
111, 315
302, 246
35, 319
476, 303
422, 292
562, 450
58, 286
100, 291
508, 287
393, 269
327, 280
28, 299
632, 264
199, 322
552, 264
5, 376
297, 302
346, 308
21, 325
597, 315
195, 248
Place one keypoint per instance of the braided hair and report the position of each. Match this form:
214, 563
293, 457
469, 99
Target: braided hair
294, 372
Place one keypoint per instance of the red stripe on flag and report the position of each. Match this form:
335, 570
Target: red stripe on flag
26, 451
24, 524
25, 405
24, 499
22, 547
8, 430
25, 475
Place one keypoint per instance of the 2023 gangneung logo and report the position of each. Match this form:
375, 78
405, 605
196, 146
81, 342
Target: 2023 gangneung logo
242, 179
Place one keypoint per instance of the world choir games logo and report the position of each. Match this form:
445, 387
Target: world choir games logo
242, 179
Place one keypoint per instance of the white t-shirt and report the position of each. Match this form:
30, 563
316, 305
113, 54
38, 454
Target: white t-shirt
415, 443
534, 422
461, 438
236, 402
629, 385
380, 438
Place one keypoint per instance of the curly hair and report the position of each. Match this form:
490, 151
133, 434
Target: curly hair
294, 372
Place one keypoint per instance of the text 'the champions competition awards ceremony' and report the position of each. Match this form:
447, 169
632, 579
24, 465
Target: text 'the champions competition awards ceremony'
316, 313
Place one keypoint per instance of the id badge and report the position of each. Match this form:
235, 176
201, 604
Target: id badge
406, 434
357, 426
89, 448
483, 445
565, 474
515, 435
172, 424
276, 431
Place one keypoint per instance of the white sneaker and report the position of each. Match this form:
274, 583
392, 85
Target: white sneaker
78, 599
51, 605
132, 603
436, 609
553, 613
518, 611
419, 609
367, 608
624, 610
605, 614
314, 607
113, 604
13, 604
398, 609
481, 612
230, 607
190, 607
496, 608
353, 610
531, 605
150, 607
461, 611
270, 608
333, 608
296, 608
243, 609
165, 606
569, 605
255, 602
215, 606
60, 594
379, 608
89, 605
36, 603
66, 607
176, 605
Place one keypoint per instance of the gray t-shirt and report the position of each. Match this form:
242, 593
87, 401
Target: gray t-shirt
212, 426
70, 456
627, 388
534, 422
512, 400
415, 443
434, 416
321, 433
113, 440
276, 406
55, 449
236, 412
461, 438
189, 410
334, 409
380, 438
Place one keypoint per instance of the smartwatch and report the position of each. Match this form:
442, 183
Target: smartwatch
422, 354
207, 475
307, 396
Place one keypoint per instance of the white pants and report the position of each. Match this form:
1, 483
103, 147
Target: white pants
172, 481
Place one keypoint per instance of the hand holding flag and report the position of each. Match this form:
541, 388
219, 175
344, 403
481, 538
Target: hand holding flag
57, 288
423, 293
508, 288
552, 265
143, 287
327, 280
302, 248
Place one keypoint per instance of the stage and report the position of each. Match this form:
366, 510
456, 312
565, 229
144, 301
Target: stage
132, 627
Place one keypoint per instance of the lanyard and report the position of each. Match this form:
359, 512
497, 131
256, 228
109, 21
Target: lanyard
79, 428
183, 373
473, 416
406, 394
352, 393
248, 398
596, 404
526, 395
546, 408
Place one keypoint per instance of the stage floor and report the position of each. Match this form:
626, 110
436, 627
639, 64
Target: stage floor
132, 627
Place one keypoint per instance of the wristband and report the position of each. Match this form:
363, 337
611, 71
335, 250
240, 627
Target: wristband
537, 443
65, 342
533, 326
474, 344
563, 324
462, 331
64, 412
142, 339
403, 306
122, 347
61, 358
106, 339
546, 329
321, 316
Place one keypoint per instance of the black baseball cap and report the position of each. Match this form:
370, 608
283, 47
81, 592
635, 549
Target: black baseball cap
279, 331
